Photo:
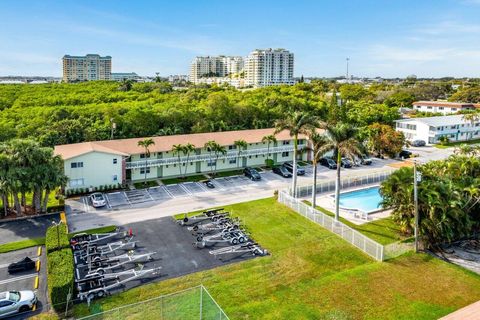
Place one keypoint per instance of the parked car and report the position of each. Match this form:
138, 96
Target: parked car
366, 160
282, 171
25, 264
12, 302
346, 163
252, 174
98, 200
289, 166
209, 184
329, 163
404, 154
418, 143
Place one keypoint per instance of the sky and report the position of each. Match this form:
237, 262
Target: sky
387, 38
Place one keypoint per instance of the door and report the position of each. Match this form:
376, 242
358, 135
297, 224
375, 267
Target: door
7, 307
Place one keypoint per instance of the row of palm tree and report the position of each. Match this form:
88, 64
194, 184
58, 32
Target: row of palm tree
28, 169
338, 137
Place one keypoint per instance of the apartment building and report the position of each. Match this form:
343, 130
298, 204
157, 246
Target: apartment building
86, 68
269, 67
431, 129
443, 107
215, 67
94, 164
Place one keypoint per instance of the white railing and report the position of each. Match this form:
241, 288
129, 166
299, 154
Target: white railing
345, 182
367, 245
233, 154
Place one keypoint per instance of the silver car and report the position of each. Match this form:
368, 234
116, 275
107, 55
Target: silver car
98, 200
12, 302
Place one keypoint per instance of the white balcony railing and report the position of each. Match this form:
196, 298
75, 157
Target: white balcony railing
232, 154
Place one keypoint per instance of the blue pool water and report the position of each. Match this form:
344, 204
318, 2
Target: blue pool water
366, 200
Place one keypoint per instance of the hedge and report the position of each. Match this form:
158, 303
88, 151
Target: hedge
60, 273
57, 238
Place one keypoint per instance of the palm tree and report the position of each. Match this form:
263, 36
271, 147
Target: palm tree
145, 144
296, 123
188, 149
269, 139
240, 144
319, 143
178, 149
210, 146
218, 150
342, 140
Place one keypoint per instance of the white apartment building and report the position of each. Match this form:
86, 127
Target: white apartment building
455, 127
443, 107
86, 68
215, 67
269, 67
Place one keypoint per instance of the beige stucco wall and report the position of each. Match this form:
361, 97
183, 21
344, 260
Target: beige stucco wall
98, 169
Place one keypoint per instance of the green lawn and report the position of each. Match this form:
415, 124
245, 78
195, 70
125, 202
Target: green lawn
196, 178
313, 274
455, 144
384, 231
143, 185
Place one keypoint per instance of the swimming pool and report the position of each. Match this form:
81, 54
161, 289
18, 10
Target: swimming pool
366, 200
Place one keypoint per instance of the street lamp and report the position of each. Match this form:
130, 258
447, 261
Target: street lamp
57, 224
417, 177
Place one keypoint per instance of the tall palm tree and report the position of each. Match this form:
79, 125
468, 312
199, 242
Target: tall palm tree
188, 149
146, 144
269, 139
296, 123
342, 140
210, 146
218, 150
178, 149
319, 148
241, 145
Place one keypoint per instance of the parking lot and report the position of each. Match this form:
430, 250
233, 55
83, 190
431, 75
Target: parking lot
25, 280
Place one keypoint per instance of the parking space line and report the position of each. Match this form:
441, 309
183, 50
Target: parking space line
85, 204
168, 192
24, 277
108, 202
185, 188
148, 192
202, 186
126, 197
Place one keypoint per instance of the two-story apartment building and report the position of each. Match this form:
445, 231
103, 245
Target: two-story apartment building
454, 127
443, 107
92, 164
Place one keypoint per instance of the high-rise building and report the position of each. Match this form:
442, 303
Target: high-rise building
214, 67
86, 68
269, 67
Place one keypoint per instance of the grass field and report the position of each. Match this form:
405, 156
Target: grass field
313, 274
143, 185
384, 231
186, 179
455, 144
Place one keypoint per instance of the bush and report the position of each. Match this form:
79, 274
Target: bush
60, 277
269, 163
58, 208
56, 238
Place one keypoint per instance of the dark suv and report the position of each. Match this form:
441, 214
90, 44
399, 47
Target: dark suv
252, 174
282, 171
404, 154
289, 166
329, 163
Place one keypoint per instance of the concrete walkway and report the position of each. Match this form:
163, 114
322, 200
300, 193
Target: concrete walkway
470, 312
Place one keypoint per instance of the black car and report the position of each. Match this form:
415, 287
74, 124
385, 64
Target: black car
252, 174
282, 171
329, 163
209, 184
23, 265
404, 154
346, 163
419, 143
289, 166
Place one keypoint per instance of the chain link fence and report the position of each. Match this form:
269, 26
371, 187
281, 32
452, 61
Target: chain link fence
193, 303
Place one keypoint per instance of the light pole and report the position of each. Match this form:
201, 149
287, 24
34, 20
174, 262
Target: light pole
114, 126
57, 224
346, 78
417, 177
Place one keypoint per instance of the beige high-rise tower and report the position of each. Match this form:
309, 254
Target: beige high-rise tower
86, 68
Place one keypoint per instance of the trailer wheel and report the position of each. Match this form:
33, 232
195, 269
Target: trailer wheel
195, 228
234, 241
101, 293
91, 296
241, 239
101, 272
96, 259
185, 219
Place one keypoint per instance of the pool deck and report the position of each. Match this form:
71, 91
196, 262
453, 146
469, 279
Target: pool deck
327, 202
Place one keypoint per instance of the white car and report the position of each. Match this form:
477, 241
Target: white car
12, 302
98, 200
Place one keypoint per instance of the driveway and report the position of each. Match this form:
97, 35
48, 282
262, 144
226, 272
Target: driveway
26, 228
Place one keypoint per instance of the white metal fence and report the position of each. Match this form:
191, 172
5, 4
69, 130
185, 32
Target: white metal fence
367, 245
190, 304
346, 182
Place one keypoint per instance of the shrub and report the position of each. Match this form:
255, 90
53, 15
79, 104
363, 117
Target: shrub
60, 277
269, 163
57, 238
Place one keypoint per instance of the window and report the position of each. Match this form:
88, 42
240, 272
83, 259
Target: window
285, 154
76, 165
429, 107
142, 170
115, 177
232, 161
76, 182
440, 108
454, 109
211, 163
232, 147
285, 142
114, 160
143, 156
301, 141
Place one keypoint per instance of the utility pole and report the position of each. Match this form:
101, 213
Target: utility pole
346, 78
417, 177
